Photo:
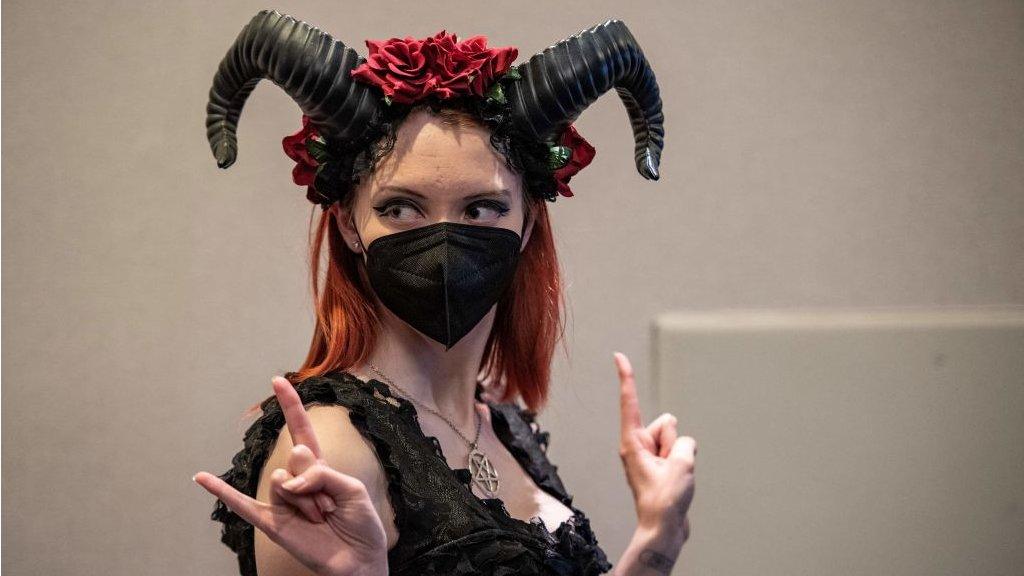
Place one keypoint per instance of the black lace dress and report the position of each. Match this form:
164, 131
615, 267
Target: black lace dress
444, 528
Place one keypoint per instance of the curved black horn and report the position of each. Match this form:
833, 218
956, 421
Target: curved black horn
559, 83
308, 64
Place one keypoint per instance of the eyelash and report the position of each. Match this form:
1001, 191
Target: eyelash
498, 207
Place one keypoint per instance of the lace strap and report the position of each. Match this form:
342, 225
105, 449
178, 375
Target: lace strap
519, 430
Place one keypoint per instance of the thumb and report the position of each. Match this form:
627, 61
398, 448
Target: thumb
319, 477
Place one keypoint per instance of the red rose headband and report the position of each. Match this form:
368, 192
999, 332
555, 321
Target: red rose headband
341, 93
409, 70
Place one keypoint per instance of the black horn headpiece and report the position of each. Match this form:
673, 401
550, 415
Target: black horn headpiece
548, 93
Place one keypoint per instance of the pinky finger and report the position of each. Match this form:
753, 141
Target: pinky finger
245, 506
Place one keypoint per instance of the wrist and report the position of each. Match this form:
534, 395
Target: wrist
379, 568
667, 538
653, 551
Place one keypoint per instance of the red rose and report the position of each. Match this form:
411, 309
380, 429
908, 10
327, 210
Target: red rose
468, 67
398, 67
407, 70
582, 154
304, 172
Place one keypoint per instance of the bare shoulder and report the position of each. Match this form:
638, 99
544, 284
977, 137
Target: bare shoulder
345, 449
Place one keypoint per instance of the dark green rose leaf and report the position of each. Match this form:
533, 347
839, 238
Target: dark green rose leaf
496, 93
559, 156
318, 151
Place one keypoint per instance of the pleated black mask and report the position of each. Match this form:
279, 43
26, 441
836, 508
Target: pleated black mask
442, 279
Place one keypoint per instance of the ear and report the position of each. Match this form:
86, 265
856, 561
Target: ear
530, 219
346, 225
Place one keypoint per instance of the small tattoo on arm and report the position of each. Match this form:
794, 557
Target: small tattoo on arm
656, 561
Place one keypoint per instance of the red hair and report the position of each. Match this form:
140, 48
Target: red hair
527, 326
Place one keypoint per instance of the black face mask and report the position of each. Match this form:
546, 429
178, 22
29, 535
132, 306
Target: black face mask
443, 278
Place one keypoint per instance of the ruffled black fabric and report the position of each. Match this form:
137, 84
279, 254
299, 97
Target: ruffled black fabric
444, 528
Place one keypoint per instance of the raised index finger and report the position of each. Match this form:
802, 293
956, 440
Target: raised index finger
299, 426
629, 405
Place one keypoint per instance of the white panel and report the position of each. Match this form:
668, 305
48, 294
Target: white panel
842, 443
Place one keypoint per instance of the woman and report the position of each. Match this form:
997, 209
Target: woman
399, 446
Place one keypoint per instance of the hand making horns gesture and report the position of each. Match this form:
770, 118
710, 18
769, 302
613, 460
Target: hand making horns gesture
659, 463
327, 520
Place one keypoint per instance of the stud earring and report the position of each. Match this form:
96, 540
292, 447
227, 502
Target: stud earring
355, 244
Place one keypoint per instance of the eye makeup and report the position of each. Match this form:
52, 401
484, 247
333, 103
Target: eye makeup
392, 208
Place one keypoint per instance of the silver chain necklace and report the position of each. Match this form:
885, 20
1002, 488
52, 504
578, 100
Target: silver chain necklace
484, 476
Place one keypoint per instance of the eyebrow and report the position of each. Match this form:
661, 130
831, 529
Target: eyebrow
502, 192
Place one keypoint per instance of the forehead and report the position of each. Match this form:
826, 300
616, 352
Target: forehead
439, 159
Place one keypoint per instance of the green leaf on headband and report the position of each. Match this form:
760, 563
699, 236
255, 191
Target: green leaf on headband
318, 151
512, 74
496, 93
559, 157
387, 100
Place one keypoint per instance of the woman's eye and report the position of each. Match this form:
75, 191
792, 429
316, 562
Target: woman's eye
486, 210
405, 212
398, 211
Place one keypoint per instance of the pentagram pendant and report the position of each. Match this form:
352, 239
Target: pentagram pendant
485, 477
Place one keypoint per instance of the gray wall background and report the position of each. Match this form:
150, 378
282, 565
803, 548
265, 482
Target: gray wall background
822, 154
